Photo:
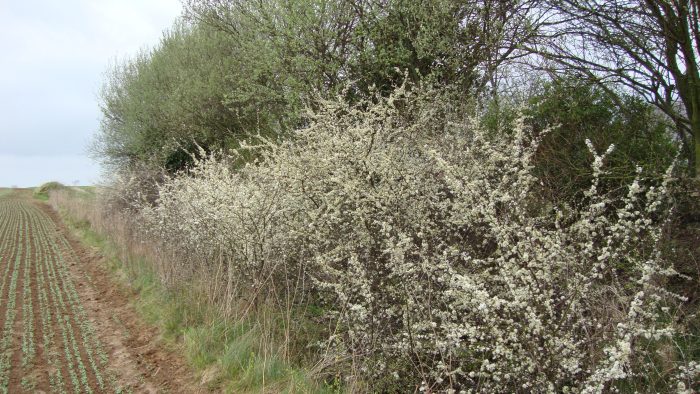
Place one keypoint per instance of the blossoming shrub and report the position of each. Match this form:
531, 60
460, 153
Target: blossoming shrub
421, 238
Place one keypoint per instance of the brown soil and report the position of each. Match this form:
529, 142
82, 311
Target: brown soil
86, 303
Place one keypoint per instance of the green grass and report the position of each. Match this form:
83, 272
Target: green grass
226, 354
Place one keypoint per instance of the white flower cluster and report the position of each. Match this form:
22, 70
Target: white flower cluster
422, 235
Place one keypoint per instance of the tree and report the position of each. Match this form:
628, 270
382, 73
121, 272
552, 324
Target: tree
198, 88
648, 46
375, 44
458, 43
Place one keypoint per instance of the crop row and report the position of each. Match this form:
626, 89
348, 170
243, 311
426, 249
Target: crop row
14, 255
37, 285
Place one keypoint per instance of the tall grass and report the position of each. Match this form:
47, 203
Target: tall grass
246, 350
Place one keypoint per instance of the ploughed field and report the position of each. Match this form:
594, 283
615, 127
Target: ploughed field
47, 340
64, 330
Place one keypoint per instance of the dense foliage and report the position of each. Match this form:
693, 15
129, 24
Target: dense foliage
159, 106
567, 112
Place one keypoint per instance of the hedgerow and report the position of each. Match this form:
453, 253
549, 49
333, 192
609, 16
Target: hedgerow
436, 264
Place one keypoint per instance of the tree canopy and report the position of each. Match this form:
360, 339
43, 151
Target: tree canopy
232, 70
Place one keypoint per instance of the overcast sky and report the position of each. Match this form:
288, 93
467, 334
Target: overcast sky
53, 55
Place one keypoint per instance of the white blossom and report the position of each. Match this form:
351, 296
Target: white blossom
424, 241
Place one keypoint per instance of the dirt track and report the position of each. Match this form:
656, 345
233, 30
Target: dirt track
66, 327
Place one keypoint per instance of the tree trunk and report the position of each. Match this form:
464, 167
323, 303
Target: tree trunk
692, 104
695, 155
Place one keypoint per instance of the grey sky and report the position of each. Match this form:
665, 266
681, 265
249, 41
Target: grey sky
53, 57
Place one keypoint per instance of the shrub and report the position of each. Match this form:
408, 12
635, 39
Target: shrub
436, 264
581, 110
44, 190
